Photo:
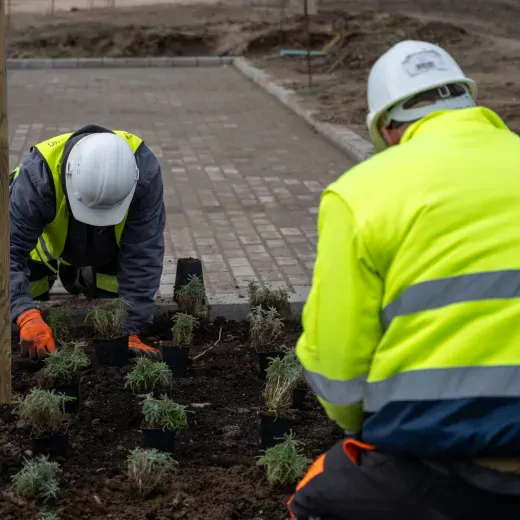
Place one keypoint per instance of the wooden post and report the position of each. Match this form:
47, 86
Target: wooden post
5, 295
309, 41
283, 5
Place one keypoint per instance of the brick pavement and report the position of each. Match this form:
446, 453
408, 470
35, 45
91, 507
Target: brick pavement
242, 175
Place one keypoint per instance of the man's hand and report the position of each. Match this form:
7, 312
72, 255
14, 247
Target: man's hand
36, 338
138, 348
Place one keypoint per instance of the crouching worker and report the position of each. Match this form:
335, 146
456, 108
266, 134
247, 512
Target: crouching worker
411, 331
88, 208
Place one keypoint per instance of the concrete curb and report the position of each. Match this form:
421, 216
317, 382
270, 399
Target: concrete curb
341, 136
83, 63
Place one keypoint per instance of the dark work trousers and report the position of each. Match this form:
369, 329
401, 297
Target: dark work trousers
386, 487
75, 280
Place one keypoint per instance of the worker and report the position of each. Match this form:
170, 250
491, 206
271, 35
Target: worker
86, 207
411, 334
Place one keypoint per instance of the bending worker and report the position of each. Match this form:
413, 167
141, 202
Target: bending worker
411, 331
88, 208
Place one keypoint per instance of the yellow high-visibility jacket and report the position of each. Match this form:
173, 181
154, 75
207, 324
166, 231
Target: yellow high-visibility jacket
412, 327
51, 243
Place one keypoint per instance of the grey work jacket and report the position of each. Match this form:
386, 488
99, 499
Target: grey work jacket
140, 256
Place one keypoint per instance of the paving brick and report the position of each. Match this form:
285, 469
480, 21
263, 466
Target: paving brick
293, 270
243, 281
212, 258
238, 261
271, 276
242, 271
215, 267
234, 253
242, 176
253, 249
286, 260
220, 277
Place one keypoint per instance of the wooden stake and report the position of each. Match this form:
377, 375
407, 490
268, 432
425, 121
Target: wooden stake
309, 42
283, 5
5, 295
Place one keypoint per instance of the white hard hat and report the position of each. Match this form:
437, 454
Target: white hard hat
100, 177
407, 69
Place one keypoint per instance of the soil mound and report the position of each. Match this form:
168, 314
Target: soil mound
94, 39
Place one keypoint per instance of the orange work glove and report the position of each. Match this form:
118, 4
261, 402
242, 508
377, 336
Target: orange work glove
36, 336
138, 348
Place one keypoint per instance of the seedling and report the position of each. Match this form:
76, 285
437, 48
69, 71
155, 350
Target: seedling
284, 463
163, 413
283, 375
268, 298
62, 365
108, 323
278, 394
38, 479
149, 375
183, 326
49, 516
44, 411
146, 468
191, 297
287, 367
62, 325
264, 326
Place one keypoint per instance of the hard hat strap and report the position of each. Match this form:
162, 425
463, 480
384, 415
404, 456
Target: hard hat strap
446, 97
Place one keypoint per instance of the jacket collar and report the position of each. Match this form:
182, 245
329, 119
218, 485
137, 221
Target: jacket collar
446, 120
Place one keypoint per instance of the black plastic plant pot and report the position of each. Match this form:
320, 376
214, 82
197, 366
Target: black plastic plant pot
187, 268
177, 359
264, 358
158, 439
72, 389
113, 352
298, 397
54, 446
272, 430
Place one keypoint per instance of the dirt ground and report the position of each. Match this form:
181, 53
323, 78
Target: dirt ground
483, 35
217, 476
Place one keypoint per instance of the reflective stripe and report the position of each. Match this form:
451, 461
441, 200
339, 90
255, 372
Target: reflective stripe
44, 251
335, 391
107, 282
443, 384
433, 294
39, 287
14, 173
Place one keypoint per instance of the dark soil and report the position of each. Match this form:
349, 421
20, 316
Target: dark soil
92, 39
338, 92
217, 476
